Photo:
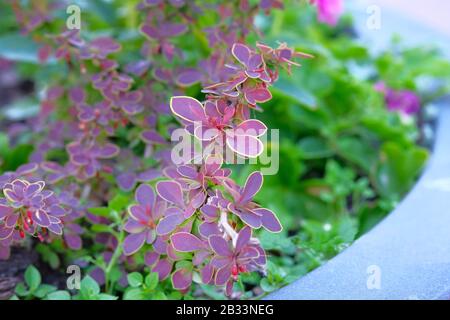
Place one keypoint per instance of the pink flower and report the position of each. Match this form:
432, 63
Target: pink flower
328, 11
404, 101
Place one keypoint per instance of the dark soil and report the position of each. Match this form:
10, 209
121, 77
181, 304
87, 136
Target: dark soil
12, 270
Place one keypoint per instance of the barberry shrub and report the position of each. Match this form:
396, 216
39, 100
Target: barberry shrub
101, 180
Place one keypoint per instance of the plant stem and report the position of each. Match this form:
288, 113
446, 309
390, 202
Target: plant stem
112, 262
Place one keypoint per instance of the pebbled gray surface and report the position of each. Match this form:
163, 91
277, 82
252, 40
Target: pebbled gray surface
410, 248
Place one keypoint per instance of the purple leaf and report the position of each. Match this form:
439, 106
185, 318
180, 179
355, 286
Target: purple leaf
205, 133
73, 241
56, 228
248, 253
151, 136
255, 95
77, 95
41, 218
212, 164
151, 258
187, 108
219, 245
207, 273
182, 279
5, 211
245, 146
56, 210
133, 242
138, 213
219, 262
241, 53
163, 268
149, 31
207, 229
171, 192
138, 68
251, 219
148, 175
212, 110
11, 220
210, 211
145, 196
133, 226
269, 220
188, 78
223, 275
108, 151
251, 187
188, 171
167, 224
196, 202
172, 29
186, 242
27, 168
243, 238
126, 181
251, 127
5, 232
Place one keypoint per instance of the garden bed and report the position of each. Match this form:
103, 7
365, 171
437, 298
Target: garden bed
405, 256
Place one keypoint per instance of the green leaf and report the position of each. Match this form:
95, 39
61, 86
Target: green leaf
21, 109
119, 202
100, 211
4, 145
44, 290
267, 286
104, 296
287, 89
59, 295
314, 148
32, 278
115, 274
89, 288
135, 279
134, 294
48, 255
347, 229
357, 151
151, 281
16, 47
100, 228
183, 264
104, 10
21, 290
17, 156
158, 295
398, 168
